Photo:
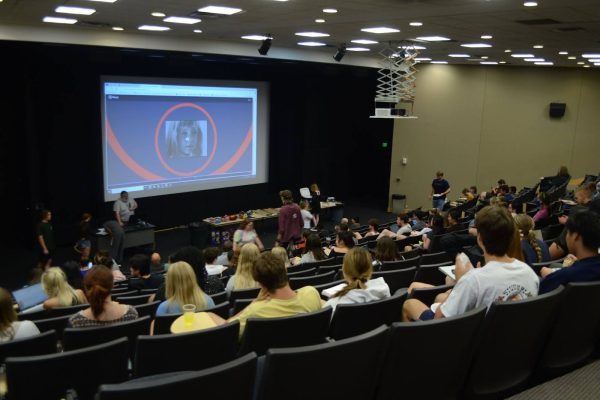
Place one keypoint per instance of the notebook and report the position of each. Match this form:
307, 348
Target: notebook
29, 296
448, 271
333, 290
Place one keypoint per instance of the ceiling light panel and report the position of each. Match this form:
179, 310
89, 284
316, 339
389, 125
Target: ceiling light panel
74, 10
380, 29
59, 20
434, 38
476, 45
312, 34
182, 20
220, 10
312, 44
154, 28
364, 41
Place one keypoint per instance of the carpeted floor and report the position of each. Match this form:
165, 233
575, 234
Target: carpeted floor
581, 384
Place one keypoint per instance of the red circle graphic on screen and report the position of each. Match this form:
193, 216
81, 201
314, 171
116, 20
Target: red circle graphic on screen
157, 134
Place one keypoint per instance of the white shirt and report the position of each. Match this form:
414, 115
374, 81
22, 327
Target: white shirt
125, 208
376, 289
496, 281
22, 329
307, 218
214, 269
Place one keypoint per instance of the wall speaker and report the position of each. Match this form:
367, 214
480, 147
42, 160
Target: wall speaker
557, 110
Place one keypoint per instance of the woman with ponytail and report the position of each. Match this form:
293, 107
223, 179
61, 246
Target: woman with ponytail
360, 288
102, 311
534, 250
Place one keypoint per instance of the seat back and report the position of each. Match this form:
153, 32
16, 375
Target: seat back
327, 261
147, 309
323, 269
82, 370
353, 369
574, 333
436, 258
297, 283
431, 274
44, 343
243, 294
510, 343
222, 310
239, 305
232, 380
443, 348
162, 323
52, 313
220, 297
57, 324
186, 351
297, 330
301, 267
396, 279
133, 300
77, 338
354, 319
303, 272
402, 264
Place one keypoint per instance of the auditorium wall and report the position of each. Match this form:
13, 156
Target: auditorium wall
478, 124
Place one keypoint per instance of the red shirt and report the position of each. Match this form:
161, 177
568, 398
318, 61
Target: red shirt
290, 222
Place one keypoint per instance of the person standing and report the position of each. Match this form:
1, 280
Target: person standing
117, 239
439, 189
45, 238
315, 203
290, 220
124, 208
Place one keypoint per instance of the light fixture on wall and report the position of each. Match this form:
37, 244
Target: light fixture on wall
340, 53
265, 45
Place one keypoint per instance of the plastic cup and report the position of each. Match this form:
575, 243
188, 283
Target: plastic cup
188, 314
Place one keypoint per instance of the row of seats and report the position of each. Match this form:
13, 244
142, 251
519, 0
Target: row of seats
476, 355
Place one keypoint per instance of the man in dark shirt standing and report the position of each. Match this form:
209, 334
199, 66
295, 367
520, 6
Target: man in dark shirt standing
290, 220
583, 241
439, 189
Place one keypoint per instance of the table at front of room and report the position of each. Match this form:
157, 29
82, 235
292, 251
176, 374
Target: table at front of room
222, 231
135, 235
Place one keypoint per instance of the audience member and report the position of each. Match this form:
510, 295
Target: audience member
156, 264
417, 221
583, 198
360, 288
181, 288
281, 253
534, 250
60, 293
354, 223
102, 311
544, 211
276, 298
313, 250
501, 278
141, 278
583, 241
344, 241
373, 228
243, 273
452, 219
103, 257
10, 328
400, 231
467, 194
346, 228
210, 257
290, 220
246, 234
437, 228
73, 274
386, 250
224, 258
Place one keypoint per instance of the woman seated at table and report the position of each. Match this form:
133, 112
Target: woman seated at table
102, 311
344, 241
246, 234
60, 293
182, 288
243, 273
10, 328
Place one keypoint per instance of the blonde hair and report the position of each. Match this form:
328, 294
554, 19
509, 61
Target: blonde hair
358, 268
7, 314
182, 287
282, 254
54, 283
314, 188
243, 273
525, 225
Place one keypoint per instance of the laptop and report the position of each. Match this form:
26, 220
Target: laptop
29, 296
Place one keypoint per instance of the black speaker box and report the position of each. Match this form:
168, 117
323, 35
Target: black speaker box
557, 110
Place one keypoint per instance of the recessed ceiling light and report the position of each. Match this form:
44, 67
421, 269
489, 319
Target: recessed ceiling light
544, 63
538, 46
158, 14
255, 37
319, 20
380, 29
415, 23
434, 38
413, 47
104, 1
522, 55
312, 34
155, 28
508, 51
501, 62
459, 55
563, 53
484, 57
572, 58
197, 31
220, 10
182, 20
587, 66
364, 41
488, 63
530, 4
591, 55
476, 45
58, 20
594, 60
74, 10
311, 44
486, 36
329, 10
534, 59
422, 59
439, 62
357, 49
117, 28
580, 62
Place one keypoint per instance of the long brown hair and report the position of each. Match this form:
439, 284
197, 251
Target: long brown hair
7, 314
98, 283
386, 250
358, 268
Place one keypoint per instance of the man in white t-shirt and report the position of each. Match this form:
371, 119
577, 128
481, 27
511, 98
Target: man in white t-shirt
501, 279
124, 208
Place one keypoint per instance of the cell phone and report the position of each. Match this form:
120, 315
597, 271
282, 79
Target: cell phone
90, 264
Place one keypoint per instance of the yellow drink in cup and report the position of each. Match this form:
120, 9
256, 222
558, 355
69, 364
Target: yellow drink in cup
188, 314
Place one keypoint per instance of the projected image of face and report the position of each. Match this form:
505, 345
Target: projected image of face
184, 139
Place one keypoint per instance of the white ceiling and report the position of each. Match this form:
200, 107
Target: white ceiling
576, 26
